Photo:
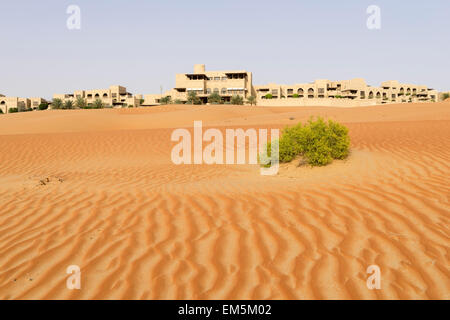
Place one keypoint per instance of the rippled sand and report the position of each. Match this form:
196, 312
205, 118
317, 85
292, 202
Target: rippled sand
97, 188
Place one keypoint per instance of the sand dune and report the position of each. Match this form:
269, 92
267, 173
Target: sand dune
97, 188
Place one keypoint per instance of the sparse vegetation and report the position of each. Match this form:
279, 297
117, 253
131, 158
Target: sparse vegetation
269, 96
13, 110
317, 142
237, 100
445, 96
178, 101
295, 95
214, 98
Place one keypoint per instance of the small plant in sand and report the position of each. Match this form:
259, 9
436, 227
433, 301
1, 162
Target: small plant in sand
269, 96
445, 96
318, 142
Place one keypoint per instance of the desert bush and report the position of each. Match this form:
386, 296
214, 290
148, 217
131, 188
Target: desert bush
1, 111
13, 110
178, 101
237, 100
269, 96
295, 95
318, 142
445, 96
214, 98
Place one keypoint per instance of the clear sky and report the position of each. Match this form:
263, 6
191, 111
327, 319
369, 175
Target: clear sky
142, 44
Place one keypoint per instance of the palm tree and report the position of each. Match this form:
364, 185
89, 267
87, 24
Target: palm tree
80, 103
251, 100
166, 100
57, 103
214, 98
193, 98
98, 104
237, 100
68, 104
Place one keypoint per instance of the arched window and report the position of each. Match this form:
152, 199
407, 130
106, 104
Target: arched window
105, 95
300, 91
3, 102
224, 90
310, 91
378, 95
370, 95
208, 90
97, 95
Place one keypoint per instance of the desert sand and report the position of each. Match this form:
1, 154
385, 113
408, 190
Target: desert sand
97, 189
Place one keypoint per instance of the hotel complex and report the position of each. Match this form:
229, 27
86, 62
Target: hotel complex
21, 104
115, 96
345, 93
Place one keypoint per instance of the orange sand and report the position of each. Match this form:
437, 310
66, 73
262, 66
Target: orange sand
96, 188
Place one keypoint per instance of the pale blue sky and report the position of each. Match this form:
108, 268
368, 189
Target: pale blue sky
142, 44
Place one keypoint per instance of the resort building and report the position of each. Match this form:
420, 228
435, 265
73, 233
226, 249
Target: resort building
204, 83
115, 96
7, 103
345, 93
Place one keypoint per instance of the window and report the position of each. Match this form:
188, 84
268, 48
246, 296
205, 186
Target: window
216, 78
290, 91
208, 91
216, 90
321, 90
224, 90
224, 78
274, 91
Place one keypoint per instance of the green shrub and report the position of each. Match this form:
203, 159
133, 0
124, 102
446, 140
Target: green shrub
445, 96
13, 110
43, 106
237, 100
1, 111
295, 95
178, 101
318, 142
269, 96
